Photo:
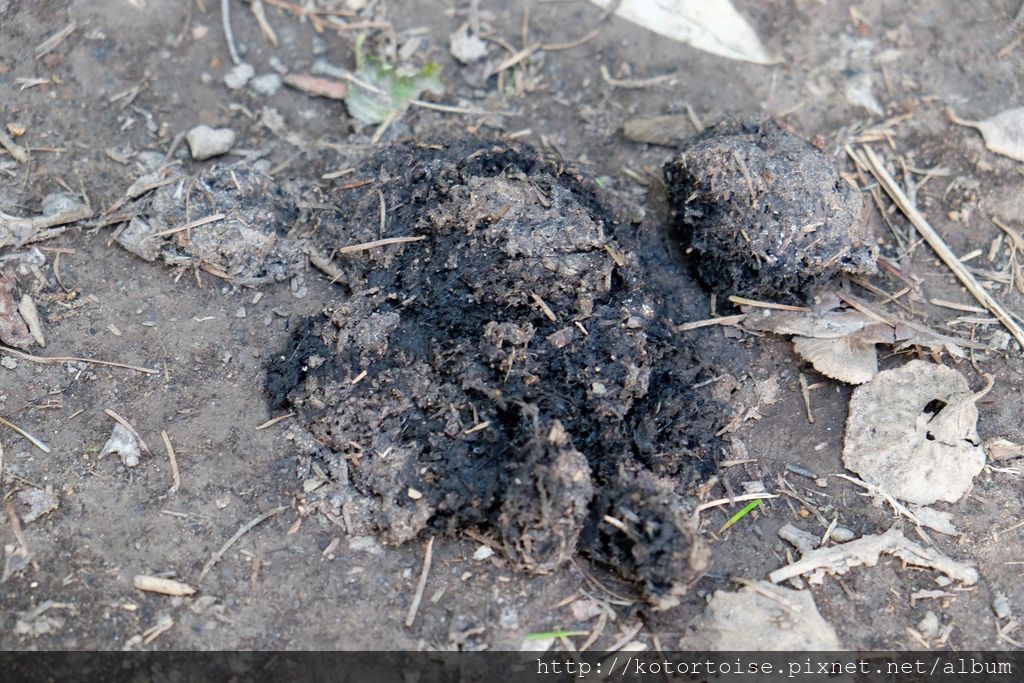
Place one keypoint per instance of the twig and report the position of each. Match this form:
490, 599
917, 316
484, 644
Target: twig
35, 442
156, 584
50, 44
188, 226
353, 248
225, 16
49, 360
17, 151
242, 530
175, 475
936, 242
634, 84
274, 420
428, 556
261, 18
743, 301
737, 499
724, 320
124, 423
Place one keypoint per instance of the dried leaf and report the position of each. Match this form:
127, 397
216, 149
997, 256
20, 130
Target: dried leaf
40, 502
913, 432
317, 86
124, 443
846, 359
13, 331
1003, 133
710, 25
393, 87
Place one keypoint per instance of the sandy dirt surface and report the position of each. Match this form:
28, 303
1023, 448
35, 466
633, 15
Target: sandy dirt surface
133, 75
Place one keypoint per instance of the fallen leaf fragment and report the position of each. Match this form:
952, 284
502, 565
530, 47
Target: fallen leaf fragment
913, 432
710, 25
124, 443
40, 502
846, 359
1003, 133
867, 550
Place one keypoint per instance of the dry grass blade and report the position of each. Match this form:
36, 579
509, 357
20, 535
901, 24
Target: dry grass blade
35, 442
175, 475
51, 43
353, 248
245, 528
47, 360
936, 242
428, 556
724, 320
743, 301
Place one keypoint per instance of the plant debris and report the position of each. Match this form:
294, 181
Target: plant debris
124, 443
867, 550
760, 616
710, 25
504, 367
767, 214
235, 221
1003, 133
40, 501
913, 432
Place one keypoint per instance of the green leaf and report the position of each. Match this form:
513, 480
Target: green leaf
741, 514
392, 87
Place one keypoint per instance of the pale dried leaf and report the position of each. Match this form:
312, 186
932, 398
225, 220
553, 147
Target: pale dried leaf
710, 25
913, 432
39, 501
1003, 133
846, 359
124, 443
1001, 449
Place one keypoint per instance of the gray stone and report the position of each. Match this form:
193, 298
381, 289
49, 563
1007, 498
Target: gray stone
205, 142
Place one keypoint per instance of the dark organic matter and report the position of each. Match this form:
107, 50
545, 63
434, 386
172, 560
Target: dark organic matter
767, 213
512, 369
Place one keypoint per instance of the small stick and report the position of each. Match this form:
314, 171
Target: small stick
188, 226
634, 84
175, 475
735, 499
724, 320
261, 18
544, 308
353, 248
274, 420
49, 360
743, 301
155, 584
936, 242
35, 442
555, 47
51, 43
17, 151
414, 607
124, 423
225, 16
242, 530
806, 392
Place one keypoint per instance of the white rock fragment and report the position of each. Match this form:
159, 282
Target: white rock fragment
266, 85
466, 47
913, 432
483, 552
205, 142
124, 443
761, 616
8, 362
239, 76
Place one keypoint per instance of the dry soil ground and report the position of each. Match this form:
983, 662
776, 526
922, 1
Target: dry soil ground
275, 588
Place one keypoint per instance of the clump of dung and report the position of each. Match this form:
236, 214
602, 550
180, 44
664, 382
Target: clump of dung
509, 368
768, 214
243, 225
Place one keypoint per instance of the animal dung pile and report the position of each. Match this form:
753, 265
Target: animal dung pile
767, 213
499, 360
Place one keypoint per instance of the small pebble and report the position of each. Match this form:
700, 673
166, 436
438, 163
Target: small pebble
239, 76
929, 625
1001, 606
240, 313
842, 535
8, 362
483, 552
266, 85
205, 142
